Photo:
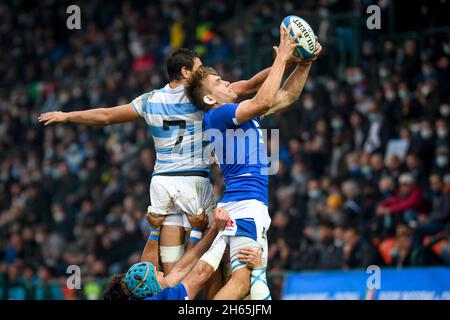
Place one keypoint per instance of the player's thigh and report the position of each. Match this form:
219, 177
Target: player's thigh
238, 243
172, 235
171, 245
162, 196
195, 195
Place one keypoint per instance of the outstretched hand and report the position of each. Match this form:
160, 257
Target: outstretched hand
287, 43
52, 117
300, 61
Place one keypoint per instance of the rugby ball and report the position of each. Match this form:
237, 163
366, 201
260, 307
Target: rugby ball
307, 39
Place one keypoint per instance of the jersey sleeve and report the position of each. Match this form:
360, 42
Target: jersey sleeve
139, 103
174, 293
223, 117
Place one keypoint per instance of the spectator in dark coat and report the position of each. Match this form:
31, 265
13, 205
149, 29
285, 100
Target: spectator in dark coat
439, 214
357, 252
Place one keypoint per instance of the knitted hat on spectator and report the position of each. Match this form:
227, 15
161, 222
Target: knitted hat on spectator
406, 178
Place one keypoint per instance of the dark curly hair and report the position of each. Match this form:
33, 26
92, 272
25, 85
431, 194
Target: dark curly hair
116, 289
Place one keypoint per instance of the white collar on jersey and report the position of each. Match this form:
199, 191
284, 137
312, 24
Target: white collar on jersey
175, 90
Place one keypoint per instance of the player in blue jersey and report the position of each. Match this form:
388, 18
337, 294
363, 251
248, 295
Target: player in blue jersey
180, 184
235, 133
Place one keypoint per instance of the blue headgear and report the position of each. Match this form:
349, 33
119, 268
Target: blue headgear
141, 280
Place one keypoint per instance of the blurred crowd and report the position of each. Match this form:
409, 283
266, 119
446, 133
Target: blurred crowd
364, 172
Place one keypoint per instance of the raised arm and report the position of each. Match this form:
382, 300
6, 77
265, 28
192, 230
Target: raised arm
265, 97
190, 258
151, 250
98, 116
244, 88
293, 86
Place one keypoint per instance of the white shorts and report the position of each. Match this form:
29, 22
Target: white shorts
175, 196
250, 222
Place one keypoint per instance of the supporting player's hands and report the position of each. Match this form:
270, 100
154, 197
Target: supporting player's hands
287, 43
155, 220
53, 117
250, 256
221, 216
199, 221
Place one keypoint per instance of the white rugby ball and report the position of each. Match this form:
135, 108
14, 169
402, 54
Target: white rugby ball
307, 39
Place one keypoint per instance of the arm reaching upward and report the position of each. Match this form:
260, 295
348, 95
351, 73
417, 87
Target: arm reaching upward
151, 250
98, 116
293, 86
190, 258
265, 97
291, 90
244, 88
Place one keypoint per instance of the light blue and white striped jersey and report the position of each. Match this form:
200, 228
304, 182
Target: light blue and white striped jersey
176, 127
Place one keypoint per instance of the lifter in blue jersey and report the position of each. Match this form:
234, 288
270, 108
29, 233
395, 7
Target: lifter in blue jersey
234, 130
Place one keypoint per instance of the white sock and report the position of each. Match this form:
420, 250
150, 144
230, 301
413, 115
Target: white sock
259, 290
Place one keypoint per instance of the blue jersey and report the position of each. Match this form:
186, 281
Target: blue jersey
174, 293
241, 153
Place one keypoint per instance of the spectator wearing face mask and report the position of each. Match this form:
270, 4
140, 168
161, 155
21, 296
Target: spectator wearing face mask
354, 167
379, 130
444, 111
310, 112
423, 144
314, 203
441, 164
352, 207
442, 134
359, 129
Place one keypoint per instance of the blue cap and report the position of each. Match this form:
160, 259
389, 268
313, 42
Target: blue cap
141, 280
